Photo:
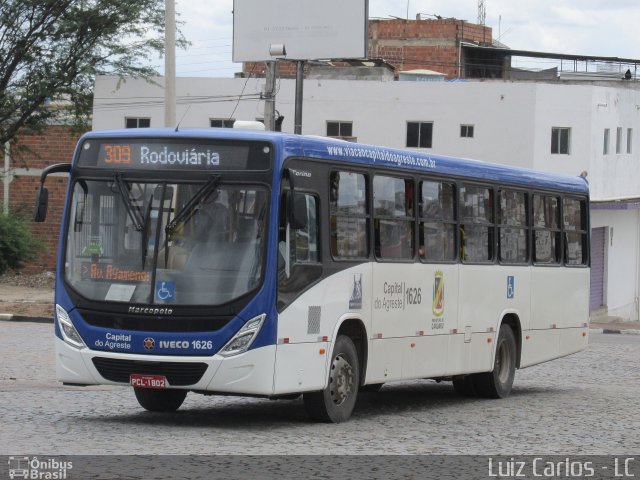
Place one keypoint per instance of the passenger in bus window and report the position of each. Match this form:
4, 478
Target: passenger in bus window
213, 221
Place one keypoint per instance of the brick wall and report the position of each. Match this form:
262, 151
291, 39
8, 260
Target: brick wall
285, 69
409, 45
54, 145
424, 44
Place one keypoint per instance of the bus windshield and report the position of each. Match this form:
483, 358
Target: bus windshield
165, 243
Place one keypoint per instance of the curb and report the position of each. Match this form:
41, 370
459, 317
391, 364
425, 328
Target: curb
615, 331
8, 317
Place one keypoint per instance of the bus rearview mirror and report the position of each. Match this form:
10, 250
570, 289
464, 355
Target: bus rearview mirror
42, 203
297, 211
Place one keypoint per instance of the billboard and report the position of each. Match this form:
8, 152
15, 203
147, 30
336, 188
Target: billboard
309, 29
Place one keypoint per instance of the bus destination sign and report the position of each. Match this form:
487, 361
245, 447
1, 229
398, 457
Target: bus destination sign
158, 155
154, 154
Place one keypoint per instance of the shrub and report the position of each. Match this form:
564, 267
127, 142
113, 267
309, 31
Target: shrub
17, 243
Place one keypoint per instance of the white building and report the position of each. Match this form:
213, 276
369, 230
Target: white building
564, 127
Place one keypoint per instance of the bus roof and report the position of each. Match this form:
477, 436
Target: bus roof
356, 153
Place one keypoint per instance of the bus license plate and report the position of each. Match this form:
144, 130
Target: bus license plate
148, 381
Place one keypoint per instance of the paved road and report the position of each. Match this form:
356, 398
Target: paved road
587, 403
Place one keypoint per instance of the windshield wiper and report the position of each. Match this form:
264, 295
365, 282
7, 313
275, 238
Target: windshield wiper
134, 212
206, 190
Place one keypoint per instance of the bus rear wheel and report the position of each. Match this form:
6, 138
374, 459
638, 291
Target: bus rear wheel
156, 400
498, 383
335, 403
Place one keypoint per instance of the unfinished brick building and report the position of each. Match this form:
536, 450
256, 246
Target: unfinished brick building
432, 44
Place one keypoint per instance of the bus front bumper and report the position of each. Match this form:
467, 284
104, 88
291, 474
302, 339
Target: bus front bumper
249, 373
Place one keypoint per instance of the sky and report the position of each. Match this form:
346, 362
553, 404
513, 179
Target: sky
583, 27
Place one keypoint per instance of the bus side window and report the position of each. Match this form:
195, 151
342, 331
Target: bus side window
513, 229
349, 216
546, 227
575, 228
393, 218
476, 224
304, 247
437, 222
298, 252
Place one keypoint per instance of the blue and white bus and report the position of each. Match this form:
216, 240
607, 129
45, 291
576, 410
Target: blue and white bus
265, 264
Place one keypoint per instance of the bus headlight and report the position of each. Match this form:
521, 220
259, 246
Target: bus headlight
242, 340
69, 332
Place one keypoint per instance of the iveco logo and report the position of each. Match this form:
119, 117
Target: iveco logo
174, 344
151, 310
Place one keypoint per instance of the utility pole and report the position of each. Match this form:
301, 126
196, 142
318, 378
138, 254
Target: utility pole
297, 123
169, 63
270, 97
6, 177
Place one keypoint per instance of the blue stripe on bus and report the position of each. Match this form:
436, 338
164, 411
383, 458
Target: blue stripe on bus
330, 149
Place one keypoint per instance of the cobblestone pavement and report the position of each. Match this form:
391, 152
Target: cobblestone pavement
587, 403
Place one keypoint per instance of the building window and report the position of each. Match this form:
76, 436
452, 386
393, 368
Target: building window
619, 140
419, 134
629, 140
221, 122
466, 131
135, 122
278, 122
349, 215
560, 139
339, 129
605, 146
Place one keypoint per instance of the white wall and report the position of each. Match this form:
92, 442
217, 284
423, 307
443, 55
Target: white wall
512, 121
614, 175
623, 262
562, 106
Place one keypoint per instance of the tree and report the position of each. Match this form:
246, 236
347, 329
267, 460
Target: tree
51, 50
17, 243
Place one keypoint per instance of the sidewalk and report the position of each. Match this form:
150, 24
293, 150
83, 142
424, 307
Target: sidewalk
36, 305
26, 303
613, 325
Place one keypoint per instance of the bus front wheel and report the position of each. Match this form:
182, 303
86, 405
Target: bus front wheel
498, 383
335, 403
156, 400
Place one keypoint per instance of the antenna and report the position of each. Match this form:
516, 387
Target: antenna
482, 12
182, 118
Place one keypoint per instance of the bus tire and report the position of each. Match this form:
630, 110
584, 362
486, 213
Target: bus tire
464, 385
498, 383
335, 403
156, 400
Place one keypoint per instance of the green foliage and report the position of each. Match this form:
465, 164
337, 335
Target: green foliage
17, 244
51, 51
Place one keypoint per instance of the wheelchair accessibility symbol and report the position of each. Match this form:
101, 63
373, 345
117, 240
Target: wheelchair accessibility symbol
511, 287
165, 291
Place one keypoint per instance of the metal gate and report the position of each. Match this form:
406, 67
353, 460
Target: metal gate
596, 294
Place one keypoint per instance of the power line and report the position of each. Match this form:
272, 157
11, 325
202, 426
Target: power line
242, 92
